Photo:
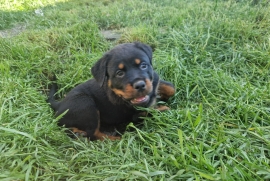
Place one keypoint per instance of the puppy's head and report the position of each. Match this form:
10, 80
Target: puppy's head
127, 71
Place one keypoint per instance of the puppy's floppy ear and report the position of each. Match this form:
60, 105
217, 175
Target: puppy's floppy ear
145, 48
99, 70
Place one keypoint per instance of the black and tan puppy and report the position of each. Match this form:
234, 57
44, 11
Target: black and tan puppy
123, 79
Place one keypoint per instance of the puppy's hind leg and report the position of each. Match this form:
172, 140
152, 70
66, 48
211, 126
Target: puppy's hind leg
82, 117
101, 136
77, 132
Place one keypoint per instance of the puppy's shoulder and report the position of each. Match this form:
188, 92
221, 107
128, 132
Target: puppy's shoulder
90, 85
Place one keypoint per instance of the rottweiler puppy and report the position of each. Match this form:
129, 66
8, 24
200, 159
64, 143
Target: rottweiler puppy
123, 80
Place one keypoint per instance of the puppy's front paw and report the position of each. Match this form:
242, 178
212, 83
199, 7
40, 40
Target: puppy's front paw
114, 137
162, 108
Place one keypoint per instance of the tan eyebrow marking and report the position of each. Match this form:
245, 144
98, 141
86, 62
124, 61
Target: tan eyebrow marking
121, 66
137, 61
109, 83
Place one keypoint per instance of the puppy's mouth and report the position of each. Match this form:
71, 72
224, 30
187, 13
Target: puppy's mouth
139, 100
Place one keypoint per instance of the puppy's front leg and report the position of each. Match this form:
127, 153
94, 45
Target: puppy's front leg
165, 90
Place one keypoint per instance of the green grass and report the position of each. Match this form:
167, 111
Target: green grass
217, 53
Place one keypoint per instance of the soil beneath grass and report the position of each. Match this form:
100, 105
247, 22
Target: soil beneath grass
110, 35
17, 29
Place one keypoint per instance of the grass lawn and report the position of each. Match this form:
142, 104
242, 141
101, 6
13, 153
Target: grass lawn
216, 52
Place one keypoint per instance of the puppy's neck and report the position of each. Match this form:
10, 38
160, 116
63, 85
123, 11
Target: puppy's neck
115, 99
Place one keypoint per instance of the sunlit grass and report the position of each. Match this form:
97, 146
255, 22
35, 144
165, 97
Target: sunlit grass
9, 5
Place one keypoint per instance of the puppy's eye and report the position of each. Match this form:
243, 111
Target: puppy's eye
120, 73
143, 66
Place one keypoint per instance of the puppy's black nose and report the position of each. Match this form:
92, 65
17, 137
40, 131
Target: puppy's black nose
139, 85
